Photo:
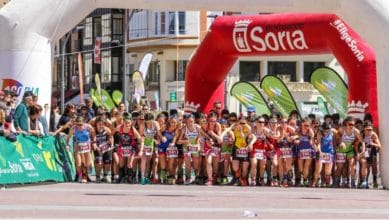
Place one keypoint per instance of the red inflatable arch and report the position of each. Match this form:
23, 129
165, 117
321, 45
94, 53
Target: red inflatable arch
281, 34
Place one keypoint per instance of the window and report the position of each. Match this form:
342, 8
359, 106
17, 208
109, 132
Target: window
106, 66
156, 23
139, 25
88, 32
97, 27
309, 67
106, 28
180, 70
87, 67
163, 23
182, 22
286, 71
171, 20
116, 67
249, 71
117, 24
153, 72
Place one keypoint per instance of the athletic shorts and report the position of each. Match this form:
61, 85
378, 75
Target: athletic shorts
240, 154
180, 151
371, 153
126, 152
161, 151
106, 158
226, 150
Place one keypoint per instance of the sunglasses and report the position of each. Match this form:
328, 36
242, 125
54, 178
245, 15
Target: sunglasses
242, 123
141, 119
212, 121
351, 124
79, 125
261, 122
306, 125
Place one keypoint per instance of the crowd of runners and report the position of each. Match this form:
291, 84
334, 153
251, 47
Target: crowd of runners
220, 147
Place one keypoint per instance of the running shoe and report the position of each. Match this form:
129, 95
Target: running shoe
218, 181
285, 183
180, 181
244, 182
353, 184
84, 180
375, 184
262, 183
346, 185
275, 183
98, 179
154, 181
80, 179
253, 182
364, 185
170, 181
306, 183
225, 181
163, 176
106, 179
236, 182
209, 183
187, 182
143, 180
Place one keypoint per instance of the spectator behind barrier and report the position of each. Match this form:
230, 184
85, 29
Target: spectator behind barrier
21, 112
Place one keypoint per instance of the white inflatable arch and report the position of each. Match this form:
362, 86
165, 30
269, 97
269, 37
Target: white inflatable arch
30, 28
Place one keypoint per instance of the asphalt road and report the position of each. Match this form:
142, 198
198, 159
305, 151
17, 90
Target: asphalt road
92, 201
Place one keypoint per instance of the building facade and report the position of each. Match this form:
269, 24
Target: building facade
99, 38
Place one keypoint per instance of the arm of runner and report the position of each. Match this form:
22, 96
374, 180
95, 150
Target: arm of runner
140, 140
181, 139
375, 141
252, 140
71, 132
361, 141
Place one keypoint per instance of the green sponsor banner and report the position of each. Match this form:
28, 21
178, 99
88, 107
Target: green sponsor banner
106, 99
332, 88
322, 105
248, 95
94, 98
117, 97
279, 94
30, 159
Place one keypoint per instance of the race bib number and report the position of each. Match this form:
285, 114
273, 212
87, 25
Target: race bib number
259, 154
216, 151
104, 147
148, 150
193, 149
242, 152
172, 152
341, 157
126, 151
84, 148
286, 152
368, 152
305, 154
270, 153
326, 158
